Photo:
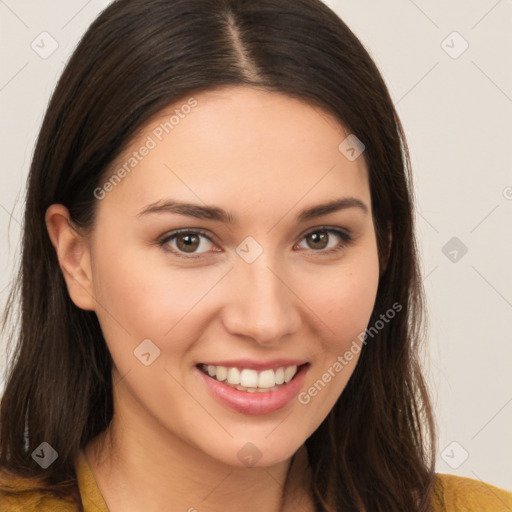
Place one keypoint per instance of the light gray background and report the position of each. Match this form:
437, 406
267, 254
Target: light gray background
456, 110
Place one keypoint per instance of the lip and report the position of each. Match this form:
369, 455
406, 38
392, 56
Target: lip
258, 402
273, 364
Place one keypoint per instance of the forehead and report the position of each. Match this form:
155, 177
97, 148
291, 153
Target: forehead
243, 147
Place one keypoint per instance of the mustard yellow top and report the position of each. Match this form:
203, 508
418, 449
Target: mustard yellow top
451, 494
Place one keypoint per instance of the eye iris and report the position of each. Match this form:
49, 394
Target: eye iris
320, 237
191, 242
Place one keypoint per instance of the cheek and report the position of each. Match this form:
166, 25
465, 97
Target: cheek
352, 305
140, 299
343, 299
337, 356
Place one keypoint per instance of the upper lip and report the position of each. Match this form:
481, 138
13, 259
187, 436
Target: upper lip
272, 364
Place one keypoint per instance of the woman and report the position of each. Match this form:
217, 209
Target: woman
221, 302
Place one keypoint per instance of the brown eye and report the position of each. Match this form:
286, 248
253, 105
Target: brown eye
187, 242
326, 240
318, 239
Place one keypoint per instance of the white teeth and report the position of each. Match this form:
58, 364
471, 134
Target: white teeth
247, 379
279, 376
222, 373
267, 379
234, 376
289, 373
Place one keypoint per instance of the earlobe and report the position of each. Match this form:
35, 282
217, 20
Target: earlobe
73, 254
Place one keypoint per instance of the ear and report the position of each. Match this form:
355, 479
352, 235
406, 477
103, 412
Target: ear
73, 253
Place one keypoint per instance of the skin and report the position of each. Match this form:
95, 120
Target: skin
264, 157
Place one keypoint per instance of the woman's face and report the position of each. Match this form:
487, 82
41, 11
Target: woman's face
262, 284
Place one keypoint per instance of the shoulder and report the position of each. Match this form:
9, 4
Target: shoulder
459, 494
16, 495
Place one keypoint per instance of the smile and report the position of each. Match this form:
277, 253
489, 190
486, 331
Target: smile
257, 390
250, 380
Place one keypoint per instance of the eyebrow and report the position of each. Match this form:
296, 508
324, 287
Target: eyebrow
218, 214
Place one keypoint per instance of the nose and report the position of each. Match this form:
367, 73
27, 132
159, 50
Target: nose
262, 305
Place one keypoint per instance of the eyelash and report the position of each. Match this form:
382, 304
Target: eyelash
346, 239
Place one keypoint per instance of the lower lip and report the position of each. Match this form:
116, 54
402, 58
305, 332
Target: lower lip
256, 402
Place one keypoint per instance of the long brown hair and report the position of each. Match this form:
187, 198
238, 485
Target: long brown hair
374, 451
